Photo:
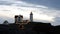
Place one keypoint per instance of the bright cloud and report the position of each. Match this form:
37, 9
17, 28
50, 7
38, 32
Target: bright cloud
11, 11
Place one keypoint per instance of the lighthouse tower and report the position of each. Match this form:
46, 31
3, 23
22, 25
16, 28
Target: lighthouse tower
31, 17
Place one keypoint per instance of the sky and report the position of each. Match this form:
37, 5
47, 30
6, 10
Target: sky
47, 11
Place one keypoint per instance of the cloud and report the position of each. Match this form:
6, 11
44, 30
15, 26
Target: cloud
5, 2
19, 3
10, 11
56, 21
3, 18
49, 3
10, 8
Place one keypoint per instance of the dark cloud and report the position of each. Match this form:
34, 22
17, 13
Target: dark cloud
56, 21
49, 3
5, 3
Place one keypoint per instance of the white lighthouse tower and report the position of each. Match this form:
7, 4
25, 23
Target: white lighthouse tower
31, 17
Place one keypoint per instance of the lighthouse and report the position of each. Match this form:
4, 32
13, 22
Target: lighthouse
31, 17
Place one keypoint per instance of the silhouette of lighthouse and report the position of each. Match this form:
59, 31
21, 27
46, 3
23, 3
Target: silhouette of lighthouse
31, 17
